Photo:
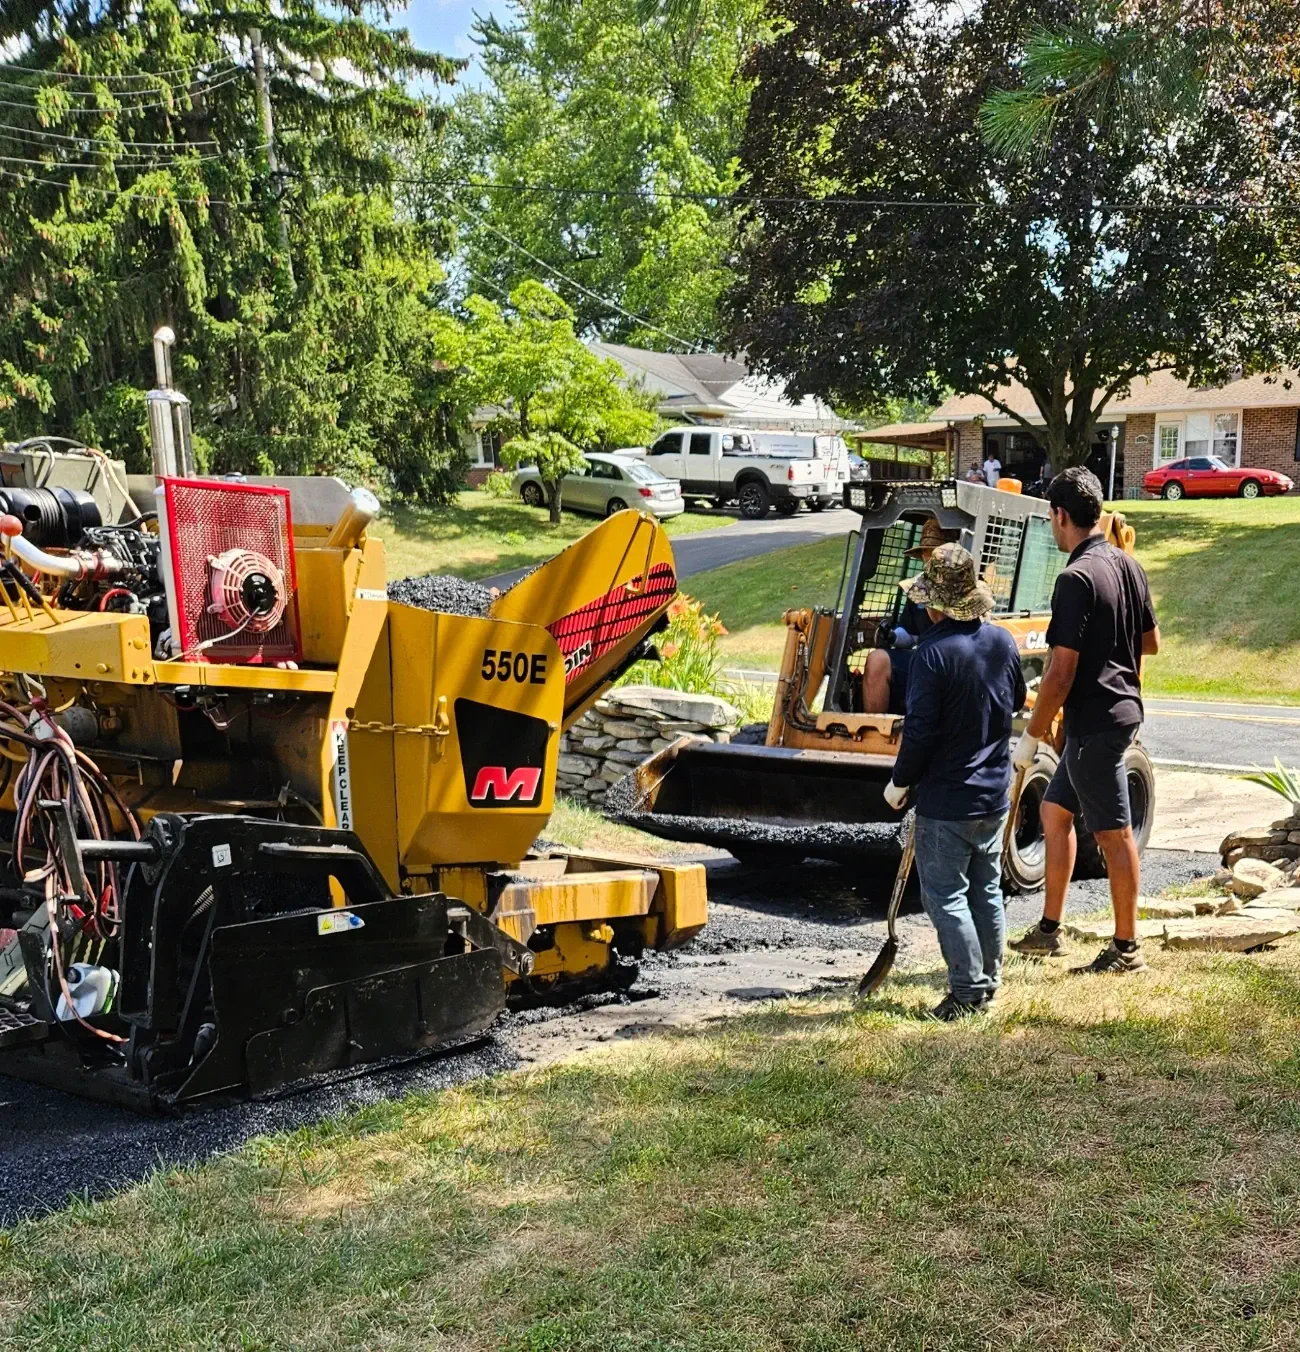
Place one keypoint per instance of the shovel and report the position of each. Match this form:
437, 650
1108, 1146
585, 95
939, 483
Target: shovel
884, 960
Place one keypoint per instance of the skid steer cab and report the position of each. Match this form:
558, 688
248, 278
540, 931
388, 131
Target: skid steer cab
811, 784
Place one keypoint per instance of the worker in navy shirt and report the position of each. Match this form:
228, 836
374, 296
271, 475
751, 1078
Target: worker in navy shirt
963, 691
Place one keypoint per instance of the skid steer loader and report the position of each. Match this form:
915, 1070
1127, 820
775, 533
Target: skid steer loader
814, 788
263, 824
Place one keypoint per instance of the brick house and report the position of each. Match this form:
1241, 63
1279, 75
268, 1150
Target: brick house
1252, 421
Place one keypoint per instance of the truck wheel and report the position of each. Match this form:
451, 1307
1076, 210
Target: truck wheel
532, 494
1024, 862
787, 507
1089, 862
818, 504
755, 500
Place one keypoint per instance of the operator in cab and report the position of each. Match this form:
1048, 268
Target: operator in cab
884, 682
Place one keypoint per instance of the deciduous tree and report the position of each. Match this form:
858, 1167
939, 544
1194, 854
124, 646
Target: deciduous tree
555, 397
901, 249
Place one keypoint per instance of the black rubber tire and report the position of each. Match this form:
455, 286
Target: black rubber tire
1249, 489
1024, 862
718, 504
1172, 491
752, 734
787, 507
1089, 862
755, 500
615, 505
817, 504
532, 493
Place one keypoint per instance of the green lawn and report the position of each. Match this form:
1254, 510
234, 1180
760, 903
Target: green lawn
1218, 572
1097, 1163
478, 536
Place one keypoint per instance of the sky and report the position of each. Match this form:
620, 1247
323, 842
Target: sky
443, 26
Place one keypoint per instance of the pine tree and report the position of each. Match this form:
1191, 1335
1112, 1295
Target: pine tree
138, 187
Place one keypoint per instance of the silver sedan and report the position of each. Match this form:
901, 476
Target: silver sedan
607, 484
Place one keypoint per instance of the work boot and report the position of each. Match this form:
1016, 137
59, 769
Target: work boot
950, 1009
1114, 959
1035, 944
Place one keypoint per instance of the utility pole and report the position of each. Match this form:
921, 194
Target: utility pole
268, 137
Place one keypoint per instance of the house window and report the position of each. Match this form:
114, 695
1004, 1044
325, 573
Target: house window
1227, 437
1197, 437
1168, 439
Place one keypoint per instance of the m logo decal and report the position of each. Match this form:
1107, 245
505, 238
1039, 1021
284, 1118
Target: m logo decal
493, 781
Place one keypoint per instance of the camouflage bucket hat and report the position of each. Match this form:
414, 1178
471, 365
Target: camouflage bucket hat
949, 584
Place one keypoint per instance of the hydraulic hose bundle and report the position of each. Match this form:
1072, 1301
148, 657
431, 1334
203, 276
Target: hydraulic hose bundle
56, 777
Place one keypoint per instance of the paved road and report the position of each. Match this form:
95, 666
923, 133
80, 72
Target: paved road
727, 544
1200, 733
1222, 736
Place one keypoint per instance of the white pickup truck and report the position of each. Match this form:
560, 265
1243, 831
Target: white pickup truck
723, 464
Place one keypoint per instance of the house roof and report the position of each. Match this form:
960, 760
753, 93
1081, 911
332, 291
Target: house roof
709, 384
1151, 394
925, 435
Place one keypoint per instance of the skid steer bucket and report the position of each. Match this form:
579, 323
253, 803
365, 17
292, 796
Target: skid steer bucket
763, 803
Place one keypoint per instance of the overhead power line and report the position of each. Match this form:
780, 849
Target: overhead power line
806, 200
106, 79
113, 110
577, 285
10, 131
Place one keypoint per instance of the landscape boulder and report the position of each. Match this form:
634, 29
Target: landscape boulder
1231, 934
1252, 877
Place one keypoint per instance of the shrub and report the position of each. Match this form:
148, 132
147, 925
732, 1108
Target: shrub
498, 484
688, 650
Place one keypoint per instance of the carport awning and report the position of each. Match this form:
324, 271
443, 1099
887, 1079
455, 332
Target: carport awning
920, 436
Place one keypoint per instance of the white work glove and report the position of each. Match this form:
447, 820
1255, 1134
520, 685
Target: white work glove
902, 639
1026, 751
895, 796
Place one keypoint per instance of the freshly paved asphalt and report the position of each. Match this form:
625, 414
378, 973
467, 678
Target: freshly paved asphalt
744, 540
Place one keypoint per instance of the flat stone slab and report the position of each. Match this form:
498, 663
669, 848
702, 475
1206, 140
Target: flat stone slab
1282, 898
1230, 933
1157, 908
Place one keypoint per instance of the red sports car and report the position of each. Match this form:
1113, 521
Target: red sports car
1209, 477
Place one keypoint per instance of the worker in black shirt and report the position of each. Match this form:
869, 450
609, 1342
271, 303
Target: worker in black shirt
1102, 625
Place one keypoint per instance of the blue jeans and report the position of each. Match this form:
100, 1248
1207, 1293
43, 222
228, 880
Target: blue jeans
960, 864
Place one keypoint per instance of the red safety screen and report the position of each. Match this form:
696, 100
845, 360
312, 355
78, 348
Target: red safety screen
587, 634
204, 519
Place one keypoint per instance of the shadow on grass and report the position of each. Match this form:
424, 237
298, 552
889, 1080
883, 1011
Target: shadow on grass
1219, 578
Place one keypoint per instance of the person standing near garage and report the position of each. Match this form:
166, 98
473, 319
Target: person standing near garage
1103, 624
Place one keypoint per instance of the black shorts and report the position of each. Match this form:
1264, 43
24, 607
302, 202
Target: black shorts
1091, 777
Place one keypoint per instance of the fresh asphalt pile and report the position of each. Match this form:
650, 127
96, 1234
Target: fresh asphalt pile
53, 1146
437, 591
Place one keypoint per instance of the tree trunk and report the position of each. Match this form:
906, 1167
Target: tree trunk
553, 491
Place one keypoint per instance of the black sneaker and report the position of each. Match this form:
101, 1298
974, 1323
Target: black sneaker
1113, 959
1035, 944
950, 1009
